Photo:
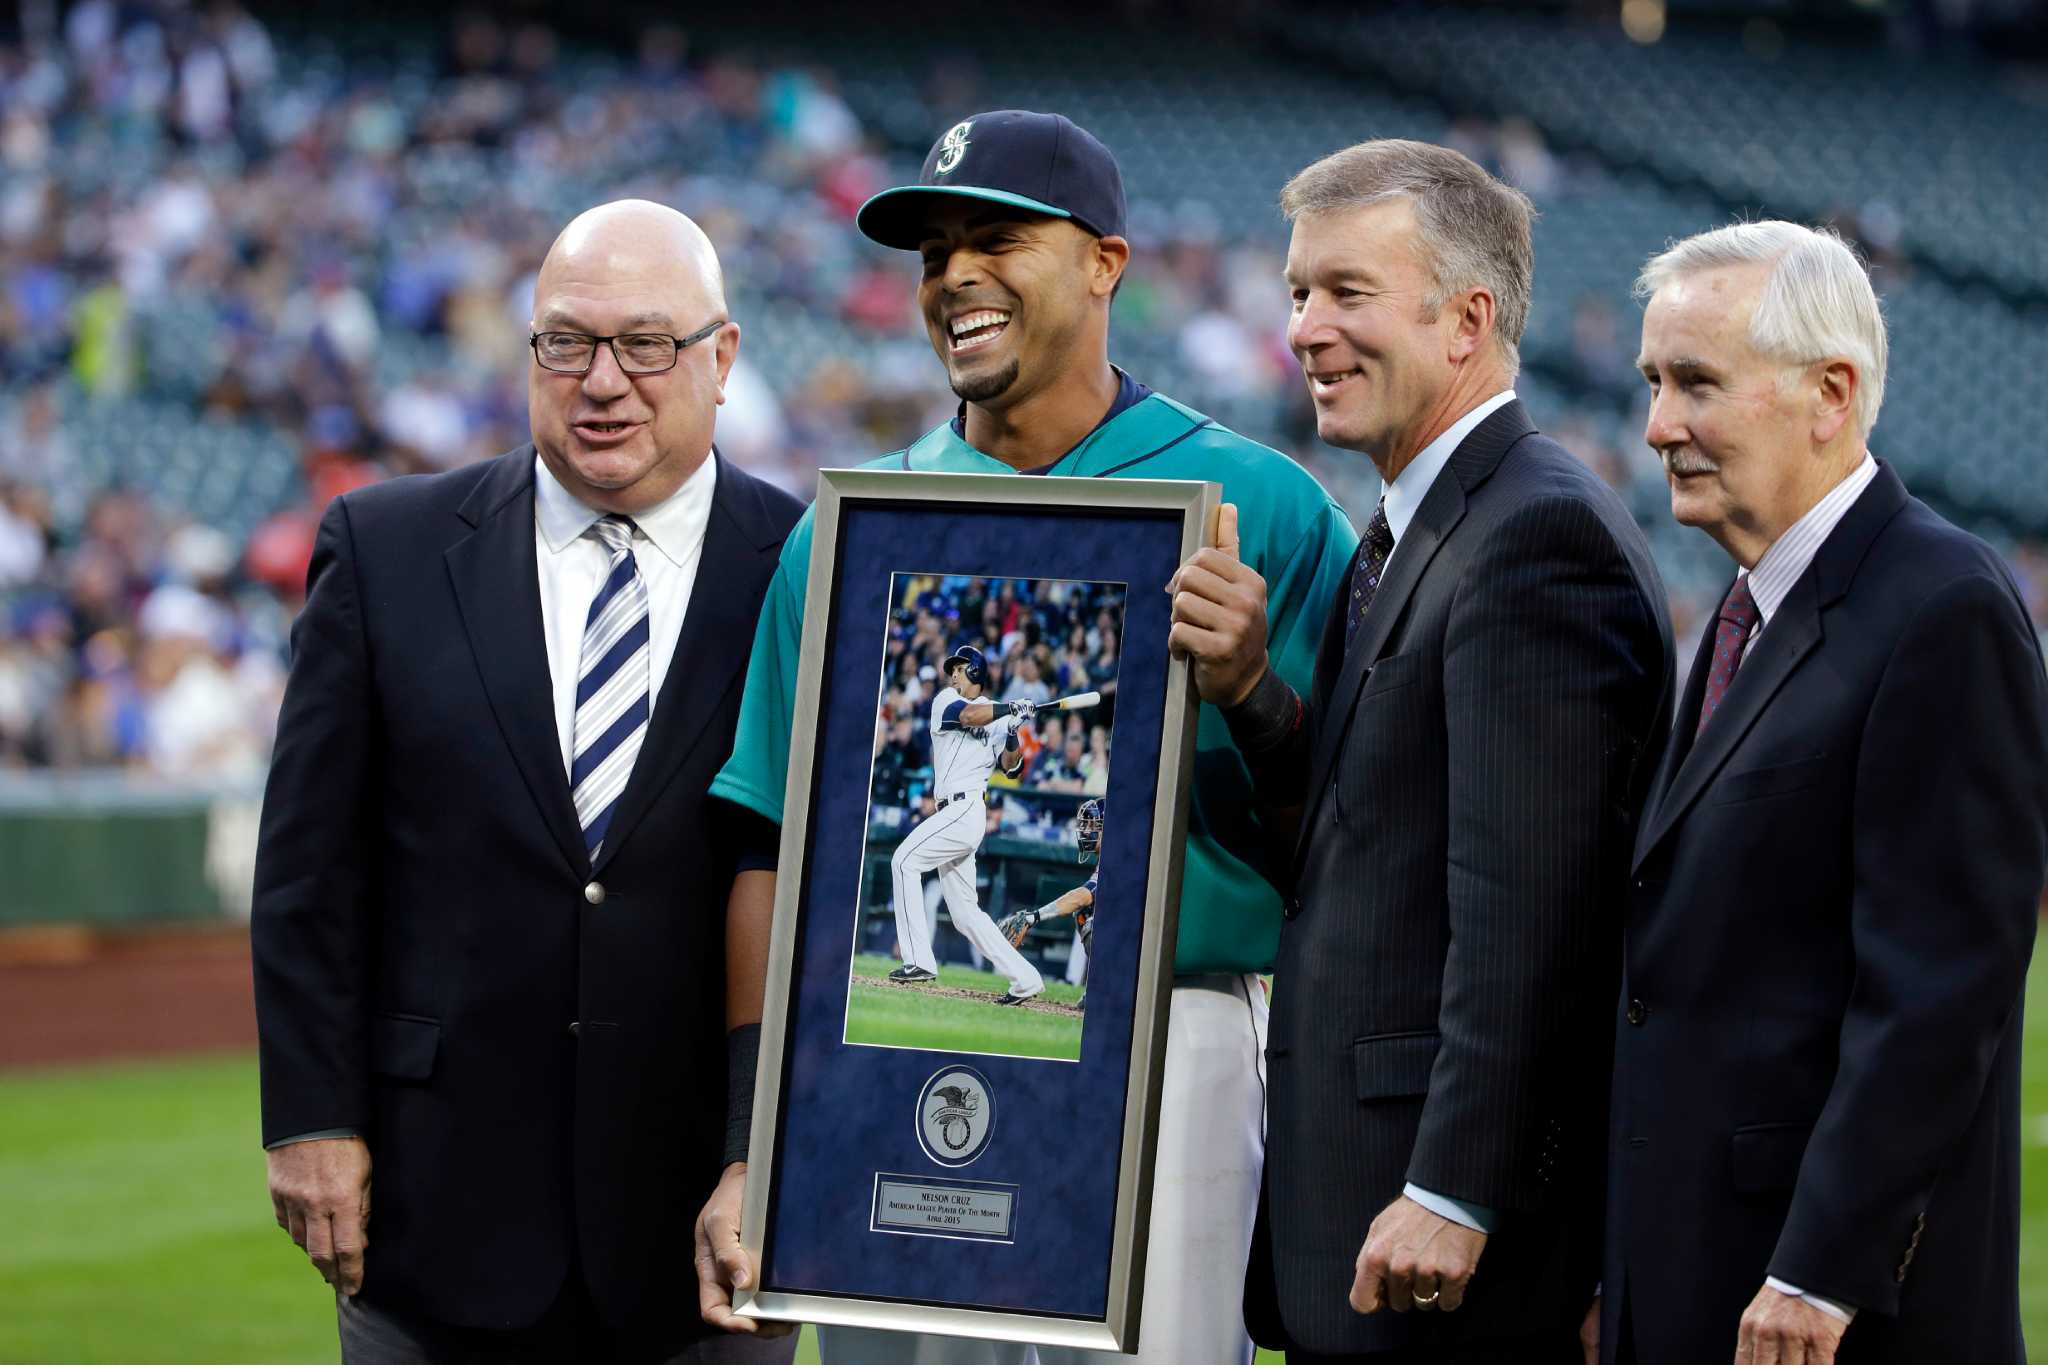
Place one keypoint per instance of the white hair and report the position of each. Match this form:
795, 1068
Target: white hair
1817, 304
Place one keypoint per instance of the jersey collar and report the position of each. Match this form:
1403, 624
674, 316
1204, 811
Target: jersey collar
941, 451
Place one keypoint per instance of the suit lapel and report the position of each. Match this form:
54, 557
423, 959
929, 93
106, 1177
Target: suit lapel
718, 628
1678, 743
1793, 633
1788, 639
497, 587
1441, 509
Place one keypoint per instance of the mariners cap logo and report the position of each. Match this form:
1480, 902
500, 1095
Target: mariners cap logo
953, 146
955, 1115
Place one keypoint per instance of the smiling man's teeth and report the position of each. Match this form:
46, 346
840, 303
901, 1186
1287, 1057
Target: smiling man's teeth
1330, 381
971, 328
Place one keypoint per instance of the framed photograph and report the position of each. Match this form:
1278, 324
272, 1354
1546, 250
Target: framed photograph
976, 905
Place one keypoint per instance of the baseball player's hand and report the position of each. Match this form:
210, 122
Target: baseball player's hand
1017, 924
320, 1192
1414, 1259
1778, 1329
723, 1265
1219, 616
1024, 710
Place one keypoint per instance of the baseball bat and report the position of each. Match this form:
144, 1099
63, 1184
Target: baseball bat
1080, 701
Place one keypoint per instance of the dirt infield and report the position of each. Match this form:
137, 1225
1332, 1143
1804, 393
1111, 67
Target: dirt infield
72, 994
957, 993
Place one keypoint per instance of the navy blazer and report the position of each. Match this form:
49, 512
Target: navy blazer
1817, 1070
533, 1046
1471, 773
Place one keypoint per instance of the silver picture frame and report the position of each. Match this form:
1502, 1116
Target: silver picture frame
841, 491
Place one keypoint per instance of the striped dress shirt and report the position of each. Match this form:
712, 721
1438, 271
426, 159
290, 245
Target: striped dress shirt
1782, 564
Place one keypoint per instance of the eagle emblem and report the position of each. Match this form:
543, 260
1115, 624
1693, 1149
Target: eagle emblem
953, 146
956, 1113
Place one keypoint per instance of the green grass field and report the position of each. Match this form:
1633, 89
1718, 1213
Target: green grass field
916, 1016
137, 1229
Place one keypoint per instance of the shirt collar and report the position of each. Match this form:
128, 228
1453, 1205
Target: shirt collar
1129, 393
1782, 565
1412, 484
674, 526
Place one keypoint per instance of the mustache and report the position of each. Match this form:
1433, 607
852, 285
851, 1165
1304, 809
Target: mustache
1680, 462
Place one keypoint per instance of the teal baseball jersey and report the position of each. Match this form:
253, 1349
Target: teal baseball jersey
1289, 530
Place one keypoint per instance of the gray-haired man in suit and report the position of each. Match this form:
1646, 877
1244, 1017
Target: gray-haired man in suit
1465, 779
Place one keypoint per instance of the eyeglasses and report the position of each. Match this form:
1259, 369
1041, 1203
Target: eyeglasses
636, 352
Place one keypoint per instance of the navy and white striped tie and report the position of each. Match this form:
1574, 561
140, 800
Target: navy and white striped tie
611, 686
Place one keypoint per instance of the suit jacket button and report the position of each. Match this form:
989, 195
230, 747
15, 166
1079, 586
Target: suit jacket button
1293, 906
1637, 1012
575, 1029
594, 893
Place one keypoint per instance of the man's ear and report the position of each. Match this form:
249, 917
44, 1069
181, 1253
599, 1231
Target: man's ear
1472, 317
1112, 256
1834, 399
728, 344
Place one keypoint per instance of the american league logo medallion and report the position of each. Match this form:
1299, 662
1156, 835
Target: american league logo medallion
953, 146
956, 1112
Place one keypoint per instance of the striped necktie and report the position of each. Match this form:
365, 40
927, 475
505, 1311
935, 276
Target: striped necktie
1738, 617
611, 686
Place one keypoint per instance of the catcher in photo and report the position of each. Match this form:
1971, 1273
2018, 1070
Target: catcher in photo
1080, 902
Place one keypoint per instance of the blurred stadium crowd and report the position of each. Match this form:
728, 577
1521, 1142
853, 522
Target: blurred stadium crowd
245, 266
1042, 640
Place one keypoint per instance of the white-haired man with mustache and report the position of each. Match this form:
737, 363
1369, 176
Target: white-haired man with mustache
1815, 1119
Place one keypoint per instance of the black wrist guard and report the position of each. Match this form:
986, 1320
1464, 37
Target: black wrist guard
742, 1053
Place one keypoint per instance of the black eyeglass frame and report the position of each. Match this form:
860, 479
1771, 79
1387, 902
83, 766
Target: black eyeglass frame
681, 343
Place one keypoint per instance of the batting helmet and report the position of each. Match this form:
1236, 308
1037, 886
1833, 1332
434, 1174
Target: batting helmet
1088, 827
977, 666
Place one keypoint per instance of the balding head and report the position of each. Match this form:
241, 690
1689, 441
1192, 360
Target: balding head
624, 442
635, 244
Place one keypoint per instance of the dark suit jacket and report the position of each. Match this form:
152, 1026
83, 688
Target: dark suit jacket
1472, 773
1817, 1061
541, 1079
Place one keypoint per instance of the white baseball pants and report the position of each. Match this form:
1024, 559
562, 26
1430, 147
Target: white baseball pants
1205, 1194
947, 843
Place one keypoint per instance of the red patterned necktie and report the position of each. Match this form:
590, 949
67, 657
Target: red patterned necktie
1738, 618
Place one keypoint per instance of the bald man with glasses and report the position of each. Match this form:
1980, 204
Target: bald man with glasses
489, 955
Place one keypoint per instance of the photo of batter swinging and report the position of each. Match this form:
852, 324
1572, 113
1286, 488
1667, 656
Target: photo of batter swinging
991, 761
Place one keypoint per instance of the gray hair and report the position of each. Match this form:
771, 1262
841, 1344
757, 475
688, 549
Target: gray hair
1816, 305
1474, 229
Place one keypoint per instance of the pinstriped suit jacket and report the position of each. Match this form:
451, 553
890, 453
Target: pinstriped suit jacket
1471, 775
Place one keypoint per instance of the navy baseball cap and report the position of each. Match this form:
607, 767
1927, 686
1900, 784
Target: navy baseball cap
1042, 162
977, 666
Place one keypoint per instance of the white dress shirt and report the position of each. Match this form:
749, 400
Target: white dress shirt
1412, 484
668, 542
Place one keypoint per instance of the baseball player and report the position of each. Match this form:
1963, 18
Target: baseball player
1080, 902
1019, 221
970, 736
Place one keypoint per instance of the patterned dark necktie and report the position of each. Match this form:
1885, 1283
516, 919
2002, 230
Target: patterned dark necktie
611, 687
1738, 617
1367, 568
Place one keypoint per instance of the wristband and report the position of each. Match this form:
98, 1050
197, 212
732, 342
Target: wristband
742, 1054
